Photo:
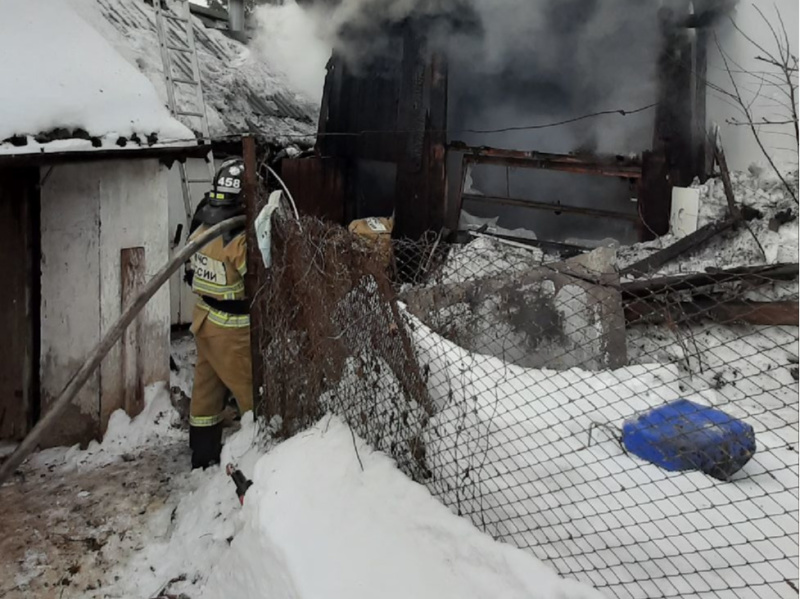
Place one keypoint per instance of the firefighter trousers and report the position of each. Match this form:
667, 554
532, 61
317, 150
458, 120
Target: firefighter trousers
223, 362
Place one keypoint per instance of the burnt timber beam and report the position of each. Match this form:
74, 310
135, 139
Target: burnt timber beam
749, 274
422, 119
699, 116
556, 208
686, 244
673, 129
655, 196
610, 166
721, 311
132, 152
436, 146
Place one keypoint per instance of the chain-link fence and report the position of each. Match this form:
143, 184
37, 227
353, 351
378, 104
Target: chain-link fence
519, 387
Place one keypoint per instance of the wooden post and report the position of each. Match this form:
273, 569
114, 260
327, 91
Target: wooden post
437, 141
132, 279
411, 201
719, 155
673, 130
255, 268
655, 196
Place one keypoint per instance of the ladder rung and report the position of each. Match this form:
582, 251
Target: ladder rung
179, 49
169, 15
182, 113
184, 81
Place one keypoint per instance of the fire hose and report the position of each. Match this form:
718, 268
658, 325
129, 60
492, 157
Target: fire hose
95, 357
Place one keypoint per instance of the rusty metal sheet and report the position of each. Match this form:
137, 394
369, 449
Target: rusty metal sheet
318, 186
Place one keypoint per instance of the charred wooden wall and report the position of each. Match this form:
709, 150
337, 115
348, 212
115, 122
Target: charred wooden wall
383, 118
388, 115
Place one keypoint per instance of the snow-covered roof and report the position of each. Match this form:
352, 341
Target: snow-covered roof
243, 92
66, 89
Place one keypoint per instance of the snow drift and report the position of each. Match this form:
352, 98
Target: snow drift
327, 517
318, 526
513, 450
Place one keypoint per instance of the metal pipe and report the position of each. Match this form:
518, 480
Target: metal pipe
550, 207
288, 193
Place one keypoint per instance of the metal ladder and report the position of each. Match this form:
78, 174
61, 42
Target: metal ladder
184, 86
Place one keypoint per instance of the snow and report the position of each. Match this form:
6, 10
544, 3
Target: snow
469, 222
327, 517
243, 89
71, 517
317, 525
511, 449
758, 189
528, 455
124, 436
532, 455
192, 532
485, 257
184, 354
89, 87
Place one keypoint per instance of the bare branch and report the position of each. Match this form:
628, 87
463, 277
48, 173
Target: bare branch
764, 121
749, 117
787, 63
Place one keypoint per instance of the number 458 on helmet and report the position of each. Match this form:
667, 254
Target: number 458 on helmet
228, 181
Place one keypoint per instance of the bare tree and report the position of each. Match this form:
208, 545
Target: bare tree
779, 76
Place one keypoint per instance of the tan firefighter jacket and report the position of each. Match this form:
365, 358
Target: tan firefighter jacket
218, 280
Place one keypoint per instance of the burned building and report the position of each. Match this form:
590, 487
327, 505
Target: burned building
572, 120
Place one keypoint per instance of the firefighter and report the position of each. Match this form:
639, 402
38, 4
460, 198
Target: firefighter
221, 321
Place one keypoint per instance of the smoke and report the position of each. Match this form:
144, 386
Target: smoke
559, 60
550, 61
514, 63
294, 40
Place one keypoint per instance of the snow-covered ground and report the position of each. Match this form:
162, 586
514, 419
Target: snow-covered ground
319, 525
327, 517
71, 516
530, 456
126, 518
514, 450
485, 257
533, 457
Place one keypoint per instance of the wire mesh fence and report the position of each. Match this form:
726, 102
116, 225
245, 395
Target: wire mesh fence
537, 396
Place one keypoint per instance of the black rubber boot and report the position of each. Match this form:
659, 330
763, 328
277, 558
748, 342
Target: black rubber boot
206, 445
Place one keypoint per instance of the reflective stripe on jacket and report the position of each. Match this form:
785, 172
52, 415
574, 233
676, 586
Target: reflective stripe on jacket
219, 271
